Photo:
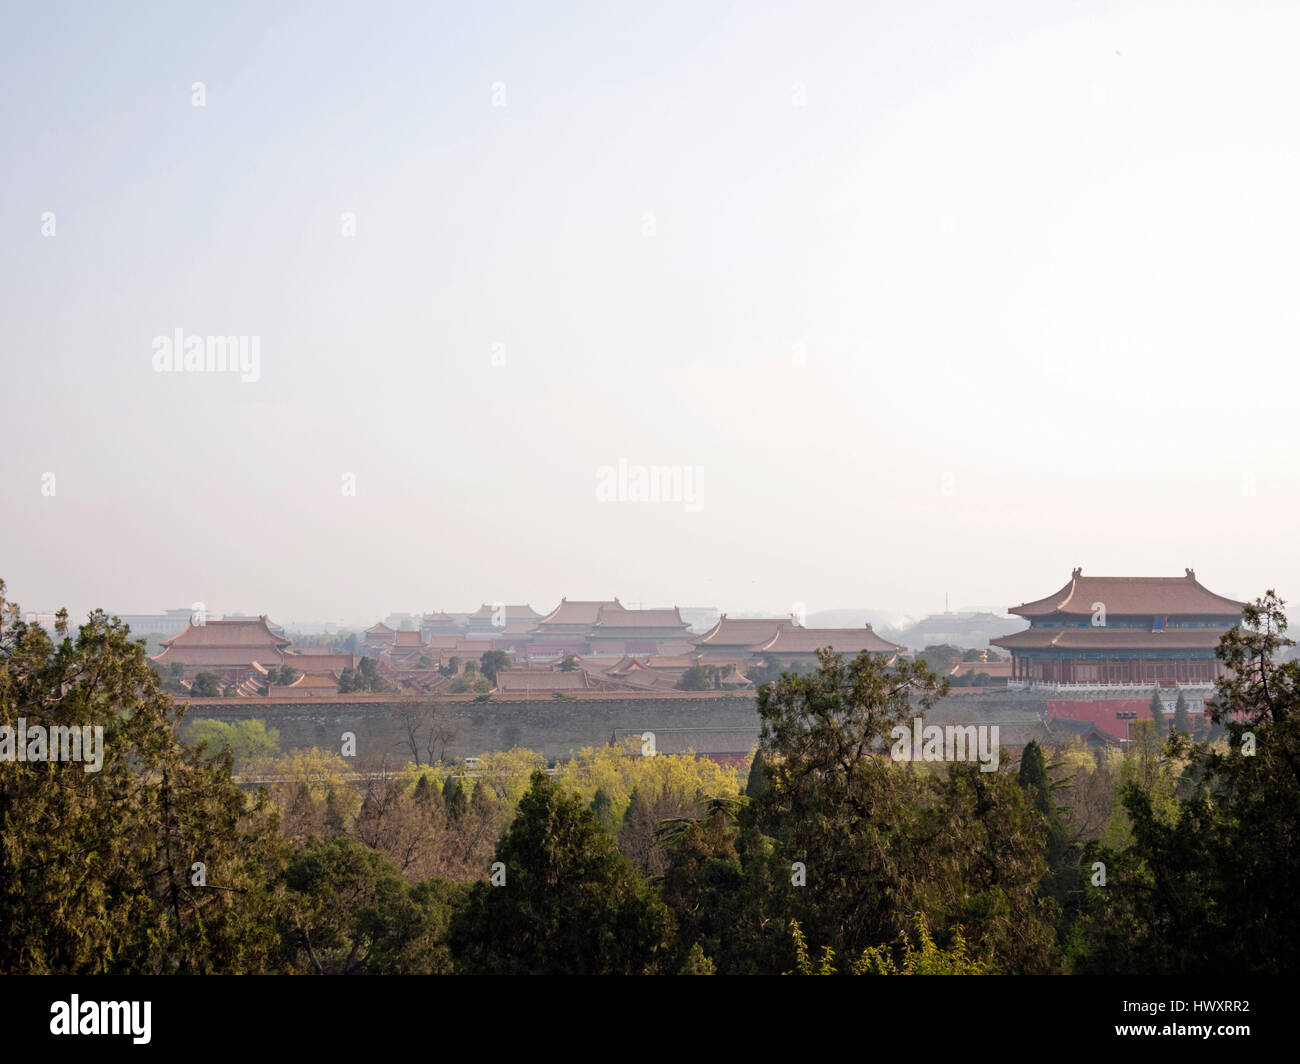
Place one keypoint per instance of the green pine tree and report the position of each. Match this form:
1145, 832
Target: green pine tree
570, 903
1210, 888
151, 862
602, 808
697, 963
454, 799
756, 783
1182, 719
1158, 716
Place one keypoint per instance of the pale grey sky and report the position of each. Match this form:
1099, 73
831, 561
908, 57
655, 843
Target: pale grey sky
951, 299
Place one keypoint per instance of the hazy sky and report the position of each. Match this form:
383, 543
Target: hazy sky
943, 297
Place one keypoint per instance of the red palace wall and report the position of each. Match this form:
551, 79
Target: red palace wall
1102, 713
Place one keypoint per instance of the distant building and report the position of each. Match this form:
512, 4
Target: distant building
169, 622
319, 673
318, 660
278, 629
438, 623
233, 649
739, 639
407, 648
651, 672
43, 619
442, 650
565, 629
793, 647
501, 619
545, 681
997, 670
619, 630
972, 631
378, 638
1102, 645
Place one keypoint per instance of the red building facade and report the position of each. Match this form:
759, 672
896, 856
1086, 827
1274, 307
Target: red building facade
1110, 637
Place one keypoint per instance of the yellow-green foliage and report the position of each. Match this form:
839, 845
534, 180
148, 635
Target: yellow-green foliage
325, 773
1077, 757
249, 741
678, 778
1145, 762
507, 772
923, 958
619, 771
697, 963
410, 776
920, 958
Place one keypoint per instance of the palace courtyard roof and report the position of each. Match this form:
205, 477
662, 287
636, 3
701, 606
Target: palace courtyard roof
1169, 596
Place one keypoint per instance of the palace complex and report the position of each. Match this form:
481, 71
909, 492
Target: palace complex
1092, 655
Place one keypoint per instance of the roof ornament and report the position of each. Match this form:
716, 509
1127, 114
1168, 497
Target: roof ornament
1191, 574
1078, 572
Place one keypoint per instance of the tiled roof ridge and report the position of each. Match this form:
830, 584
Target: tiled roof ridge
245, 623
1195, 596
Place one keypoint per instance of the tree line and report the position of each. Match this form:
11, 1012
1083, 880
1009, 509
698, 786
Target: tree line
825, 856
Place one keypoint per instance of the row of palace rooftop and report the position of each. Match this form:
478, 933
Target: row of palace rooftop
1114, 635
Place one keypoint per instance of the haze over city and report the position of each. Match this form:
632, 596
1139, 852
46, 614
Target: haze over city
694, 488
940, 302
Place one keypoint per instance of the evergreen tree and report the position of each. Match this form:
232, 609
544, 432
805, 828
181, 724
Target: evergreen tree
338, 818
482, 801
756, 783
1182, 719
454, 800
697, 963
492, 662
866, 841
424, 792
153, 861
349, 911
206, 685
602, 808
1210, 886
818, 735
1062, 882
570, 902
700, 678
636, 835
704, 887
1158, 716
